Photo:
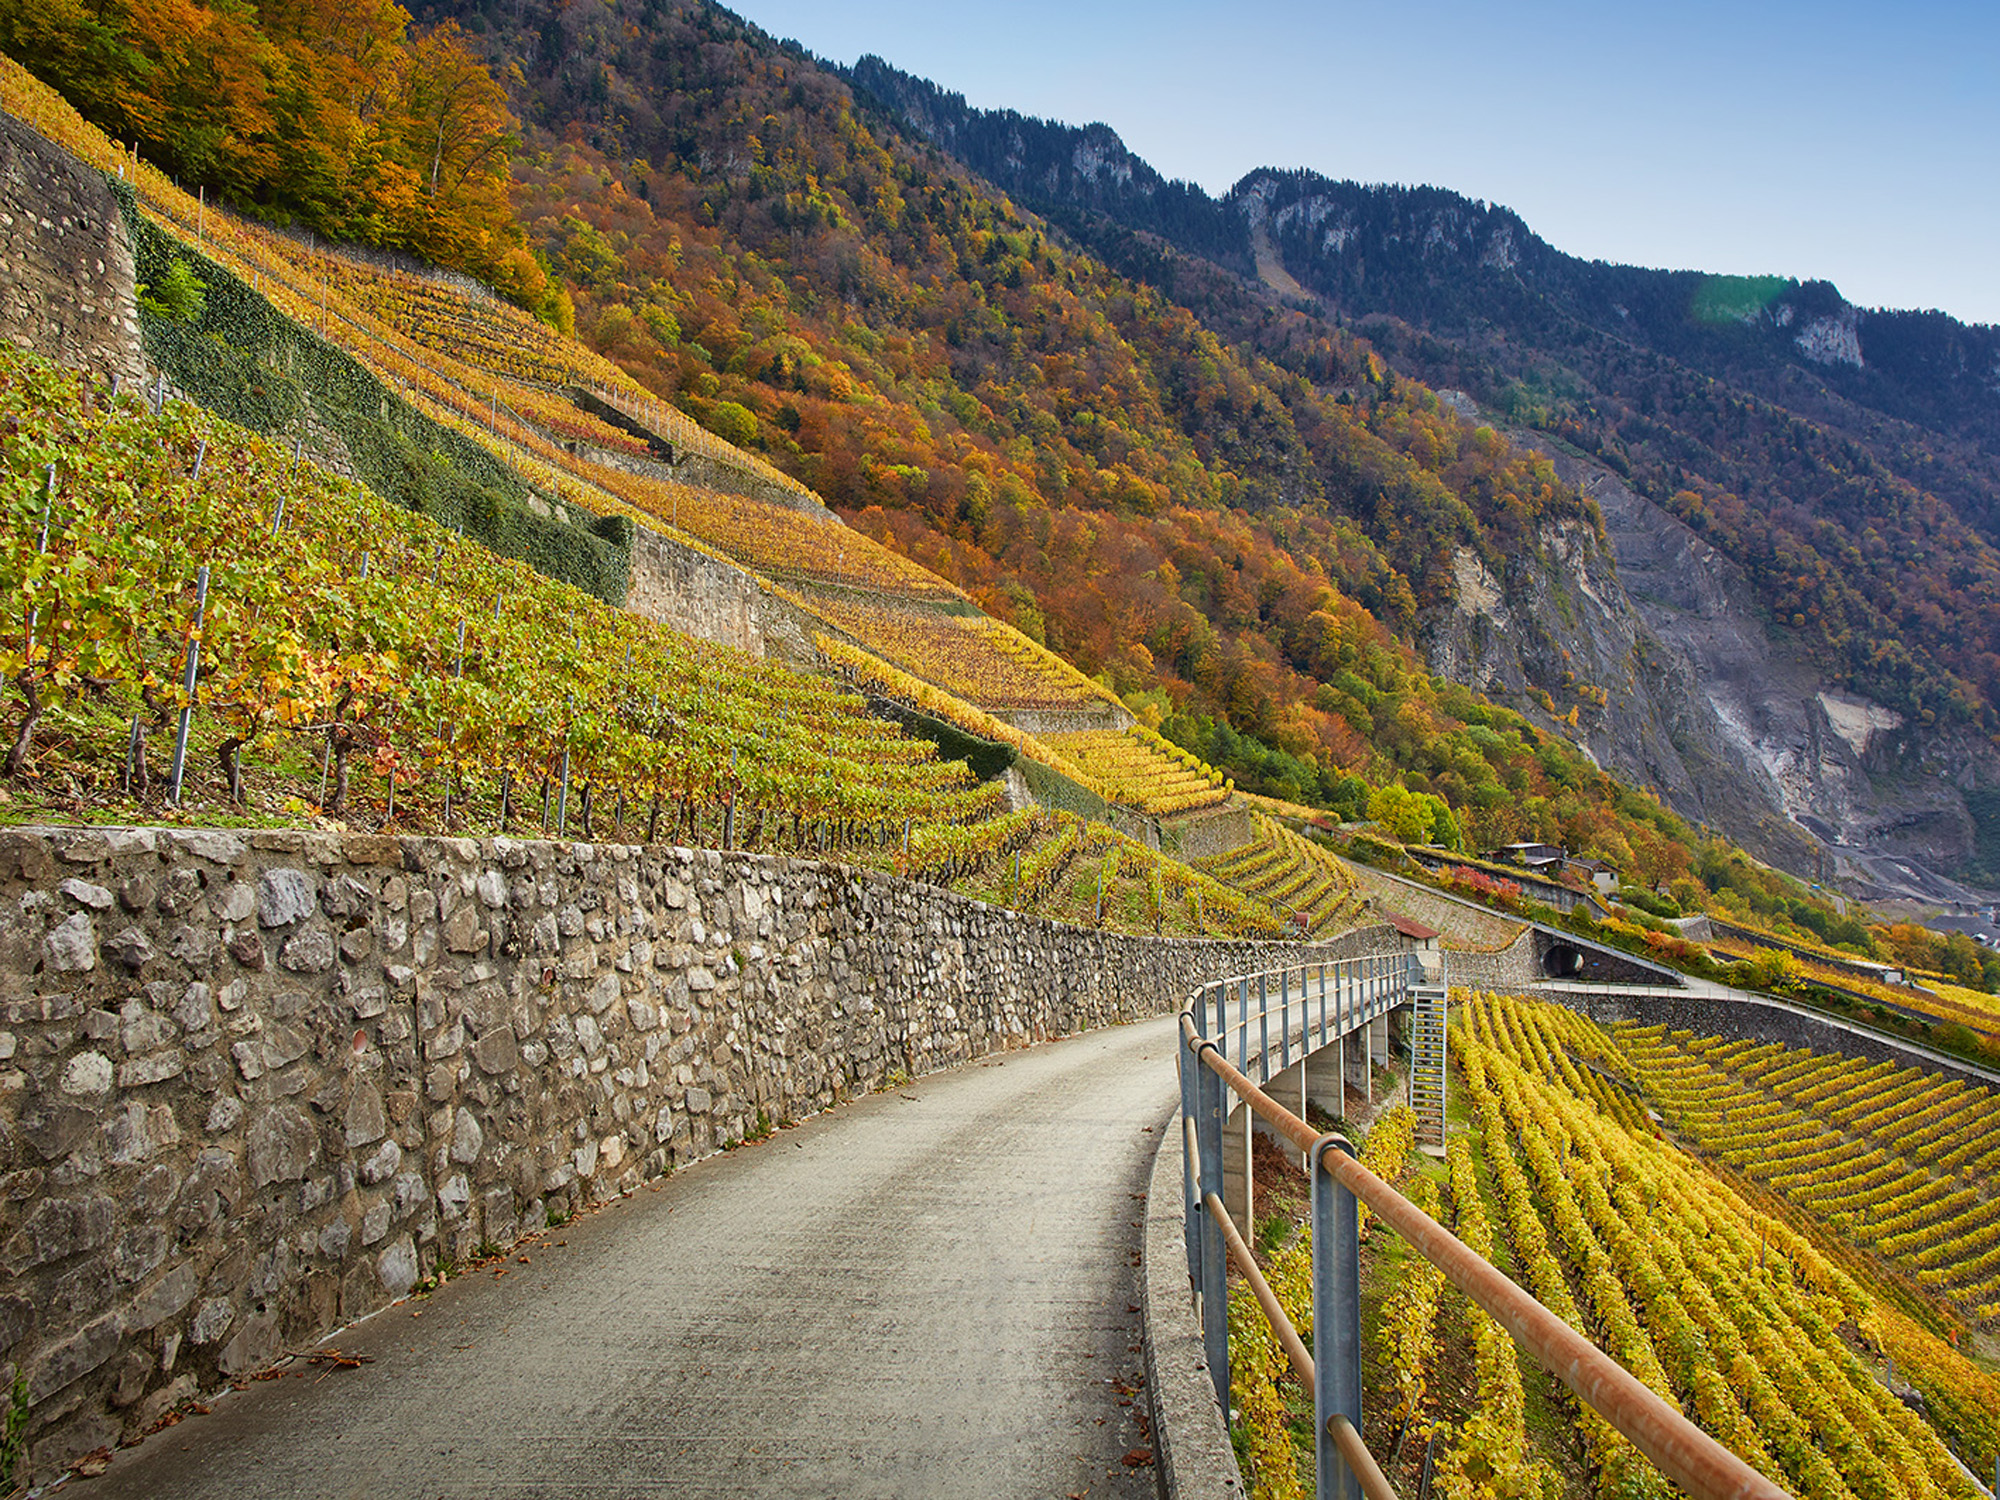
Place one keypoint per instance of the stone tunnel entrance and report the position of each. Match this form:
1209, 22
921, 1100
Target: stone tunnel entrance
1560, 957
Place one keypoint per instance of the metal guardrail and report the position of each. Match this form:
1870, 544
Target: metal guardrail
1317, 1002
1332, 1368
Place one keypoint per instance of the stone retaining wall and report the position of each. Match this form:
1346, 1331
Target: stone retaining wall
65, 264
1465, 927
254, 1085
1509, 970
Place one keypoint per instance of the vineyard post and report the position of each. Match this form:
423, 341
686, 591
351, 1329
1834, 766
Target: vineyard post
131, 753
562, 800
906, 846
187, 684
1014, 894
729, 804
1097, 915
200, 458
42, 546
364, 568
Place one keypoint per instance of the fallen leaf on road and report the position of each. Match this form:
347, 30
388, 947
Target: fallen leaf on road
334, 1359
1139, 1458
93, 1463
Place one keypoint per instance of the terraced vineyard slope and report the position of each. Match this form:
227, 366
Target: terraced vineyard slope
342, 661
1898, 1160
1293, 874
1765, 1331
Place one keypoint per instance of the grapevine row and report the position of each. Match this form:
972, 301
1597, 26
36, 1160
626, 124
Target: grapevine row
421, 662
1728, 1298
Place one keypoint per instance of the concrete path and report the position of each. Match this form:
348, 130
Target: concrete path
932, 1291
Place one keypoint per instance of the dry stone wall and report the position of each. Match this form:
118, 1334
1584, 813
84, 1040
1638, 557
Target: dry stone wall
65, 264
257, 1084
687, 589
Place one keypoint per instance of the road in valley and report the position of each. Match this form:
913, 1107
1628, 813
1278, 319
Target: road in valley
931, 1291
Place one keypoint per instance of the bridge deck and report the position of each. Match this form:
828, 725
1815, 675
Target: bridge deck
931, 1291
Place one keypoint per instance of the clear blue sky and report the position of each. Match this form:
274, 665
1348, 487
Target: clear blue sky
1856, 144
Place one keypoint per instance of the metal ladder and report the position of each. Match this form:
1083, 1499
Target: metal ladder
1427, 1057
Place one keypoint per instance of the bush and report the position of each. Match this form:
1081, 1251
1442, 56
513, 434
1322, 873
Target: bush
733, 422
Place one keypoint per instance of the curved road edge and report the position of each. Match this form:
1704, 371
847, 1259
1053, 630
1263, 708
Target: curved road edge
1192, 1455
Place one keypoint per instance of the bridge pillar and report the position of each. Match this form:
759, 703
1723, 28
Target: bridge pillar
1378, 1041
1239, 1188
1290, 1089
1354, 1062
1325, 1080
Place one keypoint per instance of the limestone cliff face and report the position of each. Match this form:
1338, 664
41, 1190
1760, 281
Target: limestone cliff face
1732, 726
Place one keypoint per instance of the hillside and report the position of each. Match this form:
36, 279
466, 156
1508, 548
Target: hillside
567, 445
1224, 639
1842, 462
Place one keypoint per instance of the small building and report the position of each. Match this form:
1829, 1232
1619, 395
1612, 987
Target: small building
1543, 859
1424, 939
1601, 875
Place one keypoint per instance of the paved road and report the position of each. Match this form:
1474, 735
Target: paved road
932, 1291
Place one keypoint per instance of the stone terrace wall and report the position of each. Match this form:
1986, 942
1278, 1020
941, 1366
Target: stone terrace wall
257, 1084
1464, 926
65, 265
685, 588
1509, 969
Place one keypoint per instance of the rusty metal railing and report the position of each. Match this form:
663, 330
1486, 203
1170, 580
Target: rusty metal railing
1331, 1370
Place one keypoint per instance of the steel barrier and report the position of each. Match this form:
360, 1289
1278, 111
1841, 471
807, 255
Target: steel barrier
1331, 1369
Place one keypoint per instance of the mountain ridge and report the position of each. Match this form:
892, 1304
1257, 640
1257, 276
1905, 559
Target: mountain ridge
1586, 355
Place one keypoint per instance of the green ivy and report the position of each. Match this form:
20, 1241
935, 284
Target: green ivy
237, 355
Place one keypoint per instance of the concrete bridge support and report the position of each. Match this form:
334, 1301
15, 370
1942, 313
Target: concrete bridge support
1325, 1084
1354, 1064
1239, 1190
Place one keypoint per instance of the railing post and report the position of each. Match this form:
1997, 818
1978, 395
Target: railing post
1263, 1029
1220, 1036
1191, 1206
1322, 1006
1284, 1019
1242, 1057
1211, 1096
1336, 1273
